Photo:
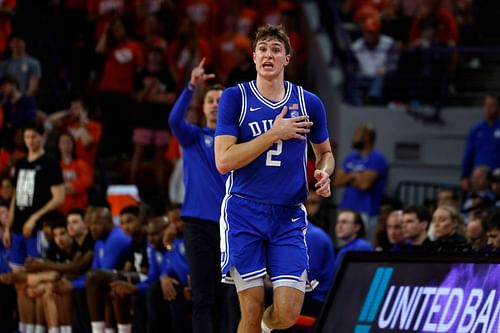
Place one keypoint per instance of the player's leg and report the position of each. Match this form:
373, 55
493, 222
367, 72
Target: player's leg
251, 297
121, 309
65, 305
285, 310
97, 285
50, 306
288, 262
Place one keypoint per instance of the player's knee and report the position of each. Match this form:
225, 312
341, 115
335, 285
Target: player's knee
252, 310
287, 313
94, 278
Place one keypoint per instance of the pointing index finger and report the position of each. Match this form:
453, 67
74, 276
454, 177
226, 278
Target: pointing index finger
202, 63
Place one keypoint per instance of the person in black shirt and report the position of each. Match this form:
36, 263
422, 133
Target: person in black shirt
39, 189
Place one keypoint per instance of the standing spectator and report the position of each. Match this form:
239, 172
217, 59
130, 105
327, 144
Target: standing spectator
364, 176
376, 56
186, 51
6, 13
416, 222
103, 12
85, 131
350, 230
76, 174
124, 58
39, 189
155, 95
18, 109
23, 67
204, 188
482, 146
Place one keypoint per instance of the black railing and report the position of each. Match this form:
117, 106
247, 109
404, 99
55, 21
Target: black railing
417, 193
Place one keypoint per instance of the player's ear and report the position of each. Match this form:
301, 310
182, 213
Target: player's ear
288, 57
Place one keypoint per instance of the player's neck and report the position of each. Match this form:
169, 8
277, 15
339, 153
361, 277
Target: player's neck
33, 155
272, 89
211, 124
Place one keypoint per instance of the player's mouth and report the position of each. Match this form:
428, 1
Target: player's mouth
267, 65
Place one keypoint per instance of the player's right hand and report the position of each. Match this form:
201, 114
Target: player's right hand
198, 74
291, 128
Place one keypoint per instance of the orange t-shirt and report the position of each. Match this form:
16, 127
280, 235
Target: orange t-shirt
203, 13
77, 173
122, 63
6, 23
447, 28
87, 153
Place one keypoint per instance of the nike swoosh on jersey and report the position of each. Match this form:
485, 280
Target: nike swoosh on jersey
295, 219
255, 109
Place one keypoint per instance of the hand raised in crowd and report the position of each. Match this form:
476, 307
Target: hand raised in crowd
198, 74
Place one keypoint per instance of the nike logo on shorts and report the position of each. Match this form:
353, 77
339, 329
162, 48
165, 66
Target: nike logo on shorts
295, 219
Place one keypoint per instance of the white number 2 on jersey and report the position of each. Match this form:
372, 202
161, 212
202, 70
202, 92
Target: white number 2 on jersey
274, 152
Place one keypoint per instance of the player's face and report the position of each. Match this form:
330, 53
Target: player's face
346, 228
65, 145
211, 104
61, 238
412, 227
130, 224
491, 109
75, 224
395, 229
445, 226
270, 58
33, 140
155, 230
7, 189
494, 238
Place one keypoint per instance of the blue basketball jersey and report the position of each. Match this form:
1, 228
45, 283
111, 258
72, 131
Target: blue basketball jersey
278, 176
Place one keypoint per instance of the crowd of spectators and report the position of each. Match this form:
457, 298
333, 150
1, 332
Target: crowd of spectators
408, 51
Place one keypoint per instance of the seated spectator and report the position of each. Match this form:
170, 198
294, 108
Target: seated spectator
476, 231
416, 222
493, 230
495, 187
111, 248
144, 314
76, 174
394, 229
25, 68
85, 131
480, 195
448, 196
8, 320
321, 268
376, 56
350, 230
134, 270
449, 230
6, 189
